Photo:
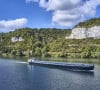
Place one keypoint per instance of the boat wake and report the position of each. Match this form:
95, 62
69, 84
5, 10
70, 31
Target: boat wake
21, 62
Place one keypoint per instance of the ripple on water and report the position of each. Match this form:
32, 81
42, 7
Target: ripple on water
21, 76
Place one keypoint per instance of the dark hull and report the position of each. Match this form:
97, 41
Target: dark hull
63, 65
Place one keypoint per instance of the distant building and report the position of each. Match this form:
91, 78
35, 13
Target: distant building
17, 38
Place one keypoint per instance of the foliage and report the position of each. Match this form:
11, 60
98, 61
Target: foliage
89, 23
48, 42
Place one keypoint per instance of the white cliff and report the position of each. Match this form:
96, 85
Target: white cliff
81, 33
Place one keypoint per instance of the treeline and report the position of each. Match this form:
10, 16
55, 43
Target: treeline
48, 43
89, 23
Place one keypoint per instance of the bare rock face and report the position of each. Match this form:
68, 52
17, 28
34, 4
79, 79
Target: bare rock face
81, 33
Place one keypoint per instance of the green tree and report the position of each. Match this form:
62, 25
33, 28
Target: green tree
37, 51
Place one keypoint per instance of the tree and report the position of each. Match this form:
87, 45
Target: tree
37, 51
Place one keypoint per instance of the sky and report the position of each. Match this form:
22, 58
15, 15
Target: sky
65, 14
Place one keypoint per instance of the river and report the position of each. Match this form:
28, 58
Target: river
18, 75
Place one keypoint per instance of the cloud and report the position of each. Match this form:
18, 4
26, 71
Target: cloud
28, 1
69, 12
7, 25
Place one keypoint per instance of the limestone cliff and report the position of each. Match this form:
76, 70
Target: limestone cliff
81, 33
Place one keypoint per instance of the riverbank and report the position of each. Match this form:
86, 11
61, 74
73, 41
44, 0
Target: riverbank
86, 55
78, 60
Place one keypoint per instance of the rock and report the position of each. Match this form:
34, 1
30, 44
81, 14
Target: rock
82, 33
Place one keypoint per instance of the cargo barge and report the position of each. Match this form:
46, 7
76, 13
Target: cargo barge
64, 65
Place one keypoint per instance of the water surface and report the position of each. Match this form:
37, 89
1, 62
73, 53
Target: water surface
17, 75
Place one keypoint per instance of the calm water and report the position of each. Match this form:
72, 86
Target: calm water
16, 75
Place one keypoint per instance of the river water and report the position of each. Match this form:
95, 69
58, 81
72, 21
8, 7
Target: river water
17, 75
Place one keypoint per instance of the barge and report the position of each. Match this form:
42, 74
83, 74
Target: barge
62, 65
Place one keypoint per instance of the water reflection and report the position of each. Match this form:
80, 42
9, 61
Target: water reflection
80, 60
59, 79
86, 73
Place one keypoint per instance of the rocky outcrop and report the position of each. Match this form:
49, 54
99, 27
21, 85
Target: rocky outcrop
81, 33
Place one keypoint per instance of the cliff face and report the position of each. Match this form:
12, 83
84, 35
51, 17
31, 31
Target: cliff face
81, 33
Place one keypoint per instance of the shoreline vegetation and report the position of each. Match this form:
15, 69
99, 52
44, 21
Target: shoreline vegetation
49, 42
55, 59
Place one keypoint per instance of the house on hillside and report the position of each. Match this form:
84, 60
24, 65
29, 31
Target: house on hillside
17, 38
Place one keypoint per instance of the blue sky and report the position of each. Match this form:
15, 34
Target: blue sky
42, 14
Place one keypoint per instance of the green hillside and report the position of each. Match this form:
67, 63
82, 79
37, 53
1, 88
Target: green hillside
89, 23
35, 41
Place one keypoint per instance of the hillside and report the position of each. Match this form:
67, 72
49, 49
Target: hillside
89, 23
34, 41
47, 43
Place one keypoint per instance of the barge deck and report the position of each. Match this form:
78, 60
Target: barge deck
64, 65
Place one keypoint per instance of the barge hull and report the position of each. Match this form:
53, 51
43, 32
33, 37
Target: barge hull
62, 65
